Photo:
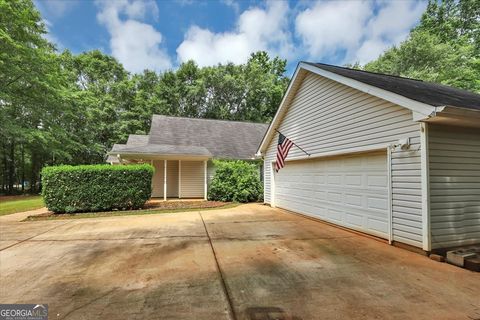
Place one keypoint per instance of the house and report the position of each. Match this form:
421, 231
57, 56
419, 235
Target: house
392, 157
133, 140
181, 150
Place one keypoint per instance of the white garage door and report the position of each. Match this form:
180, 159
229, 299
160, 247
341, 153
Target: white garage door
348, 191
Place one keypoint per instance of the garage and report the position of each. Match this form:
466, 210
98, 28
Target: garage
386, 156
350, 191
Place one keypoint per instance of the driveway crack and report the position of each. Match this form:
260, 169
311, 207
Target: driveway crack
231, 309
25, 240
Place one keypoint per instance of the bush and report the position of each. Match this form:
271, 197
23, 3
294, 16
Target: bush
96, 187
235, 181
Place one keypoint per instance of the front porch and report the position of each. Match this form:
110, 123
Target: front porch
180, 171
179, 179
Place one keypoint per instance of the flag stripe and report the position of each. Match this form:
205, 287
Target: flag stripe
283, 147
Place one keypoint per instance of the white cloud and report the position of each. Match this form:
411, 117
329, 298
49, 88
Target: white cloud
330, 26
353, 28
256, 29
56, 8
137, 45
232, 4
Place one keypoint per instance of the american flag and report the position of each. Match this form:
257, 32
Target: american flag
283, 147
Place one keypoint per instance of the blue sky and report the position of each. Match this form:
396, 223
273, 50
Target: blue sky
159, 35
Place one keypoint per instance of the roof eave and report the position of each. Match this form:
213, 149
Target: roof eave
165, 156
421, 111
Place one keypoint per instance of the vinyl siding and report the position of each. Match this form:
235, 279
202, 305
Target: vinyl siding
157, 181
407, 191
192, 179
172, 178
454, 165
325, 116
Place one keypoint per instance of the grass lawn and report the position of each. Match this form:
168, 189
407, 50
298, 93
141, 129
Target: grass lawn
15, 204
199, 207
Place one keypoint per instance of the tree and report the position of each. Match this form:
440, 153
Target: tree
443, 48
62, 108
30, 92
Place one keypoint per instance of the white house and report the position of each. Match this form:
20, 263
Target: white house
392, 157
181, 150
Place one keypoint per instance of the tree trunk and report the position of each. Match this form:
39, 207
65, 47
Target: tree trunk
11, 168
4, 173
4, 168
33, 179
23, 169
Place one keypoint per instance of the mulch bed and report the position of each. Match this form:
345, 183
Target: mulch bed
178, 204
151, 205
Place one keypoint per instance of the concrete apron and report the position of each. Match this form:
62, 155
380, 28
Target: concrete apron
253, 262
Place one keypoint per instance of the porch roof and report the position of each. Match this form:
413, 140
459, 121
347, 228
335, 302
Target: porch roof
159, 150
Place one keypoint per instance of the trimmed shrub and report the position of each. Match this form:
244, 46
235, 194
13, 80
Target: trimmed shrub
89, 188
235, 181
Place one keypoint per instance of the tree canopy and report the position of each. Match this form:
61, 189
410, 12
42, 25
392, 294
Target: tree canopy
64, 108
443, 48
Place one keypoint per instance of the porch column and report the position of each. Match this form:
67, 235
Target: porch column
165, 180
205, 179
179, 179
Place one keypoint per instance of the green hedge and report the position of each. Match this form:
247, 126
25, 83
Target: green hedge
89, 188
236, 181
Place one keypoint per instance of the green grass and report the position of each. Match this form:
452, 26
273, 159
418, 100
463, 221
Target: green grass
122, 213
20, 204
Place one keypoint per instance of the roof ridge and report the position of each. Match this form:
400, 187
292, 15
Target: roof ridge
208, 119
370, 72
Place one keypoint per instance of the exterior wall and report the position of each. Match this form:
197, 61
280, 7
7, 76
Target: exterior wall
454, 155
406, 182
172, 178
192, 179
157, 181
326, 117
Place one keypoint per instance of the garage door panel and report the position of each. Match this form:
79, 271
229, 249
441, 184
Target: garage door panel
377, 203
349, 191
377, 180
353, 180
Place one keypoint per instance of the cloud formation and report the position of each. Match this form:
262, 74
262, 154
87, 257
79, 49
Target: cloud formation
137, 45
358, 30
333, 31
256, 29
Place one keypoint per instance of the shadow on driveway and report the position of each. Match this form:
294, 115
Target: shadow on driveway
248, 262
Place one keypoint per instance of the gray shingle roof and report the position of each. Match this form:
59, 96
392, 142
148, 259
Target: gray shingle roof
165, 149
430, 93
137, 139
116, 147
223, 139
133, 140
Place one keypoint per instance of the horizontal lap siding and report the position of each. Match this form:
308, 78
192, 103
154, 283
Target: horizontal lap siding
454, 186
157, 180
172, 178
325, 116
192, 179
407, 192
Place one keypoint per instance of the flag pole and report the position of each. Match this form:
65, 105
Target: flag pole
296, 145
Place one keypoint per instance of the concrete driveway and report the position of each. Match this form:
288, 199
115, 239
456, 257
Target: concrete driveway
249, 262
